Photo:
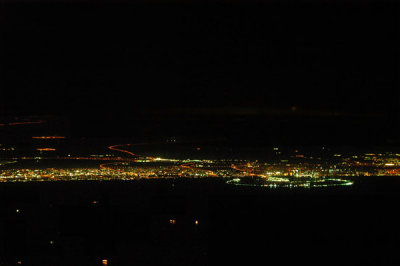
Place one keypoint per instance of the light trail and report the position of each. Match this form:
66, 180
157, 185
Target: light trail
187, 165
78, 158
49, 137
113, 147
22, 123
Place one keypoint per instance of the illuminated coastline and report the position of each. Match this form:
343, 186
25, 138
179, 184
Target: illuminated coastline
295, 170
286, 183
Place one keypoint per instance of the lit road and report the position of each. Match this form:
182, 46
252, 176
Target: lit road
246, 169
22, 123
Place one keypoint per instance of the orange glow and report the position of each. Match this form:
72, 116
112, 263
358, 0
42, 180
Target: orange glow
26, 123
190, 166
49, 137
196, 222
46, 149
172, 221
109, 168
104, 262
113, 147
246, 169
22, 123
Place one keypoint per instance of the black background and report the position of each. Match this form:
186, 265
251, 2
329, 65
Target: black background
326, 70
86, 56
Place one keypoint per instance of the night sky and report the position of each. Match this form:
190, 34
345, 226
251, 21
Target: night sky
266, 58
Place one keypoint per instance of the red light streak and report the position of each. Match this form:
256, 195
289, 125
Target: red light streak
49, 137
22, 123
129, 152
113, 147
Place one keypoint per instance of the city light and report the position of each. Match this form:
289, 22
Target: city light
291, 170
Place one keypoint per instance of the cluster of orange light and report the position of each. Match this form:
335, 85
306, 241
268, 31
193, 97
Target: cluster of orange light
244, 169
191, 166
113, 147
45, 149
103, 166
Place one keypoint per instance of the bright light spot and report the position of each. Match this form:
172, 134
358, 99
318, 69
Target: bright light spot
172, 221
105, 262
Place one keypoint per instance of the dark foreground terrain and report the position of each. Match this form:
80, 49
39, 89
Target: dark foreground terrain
153, 222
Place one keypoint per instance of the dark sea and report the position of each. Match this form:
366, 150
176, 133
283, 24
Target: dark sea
129, 223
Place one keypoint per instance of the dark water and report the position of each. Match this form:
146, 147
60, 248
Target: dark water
129, 223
